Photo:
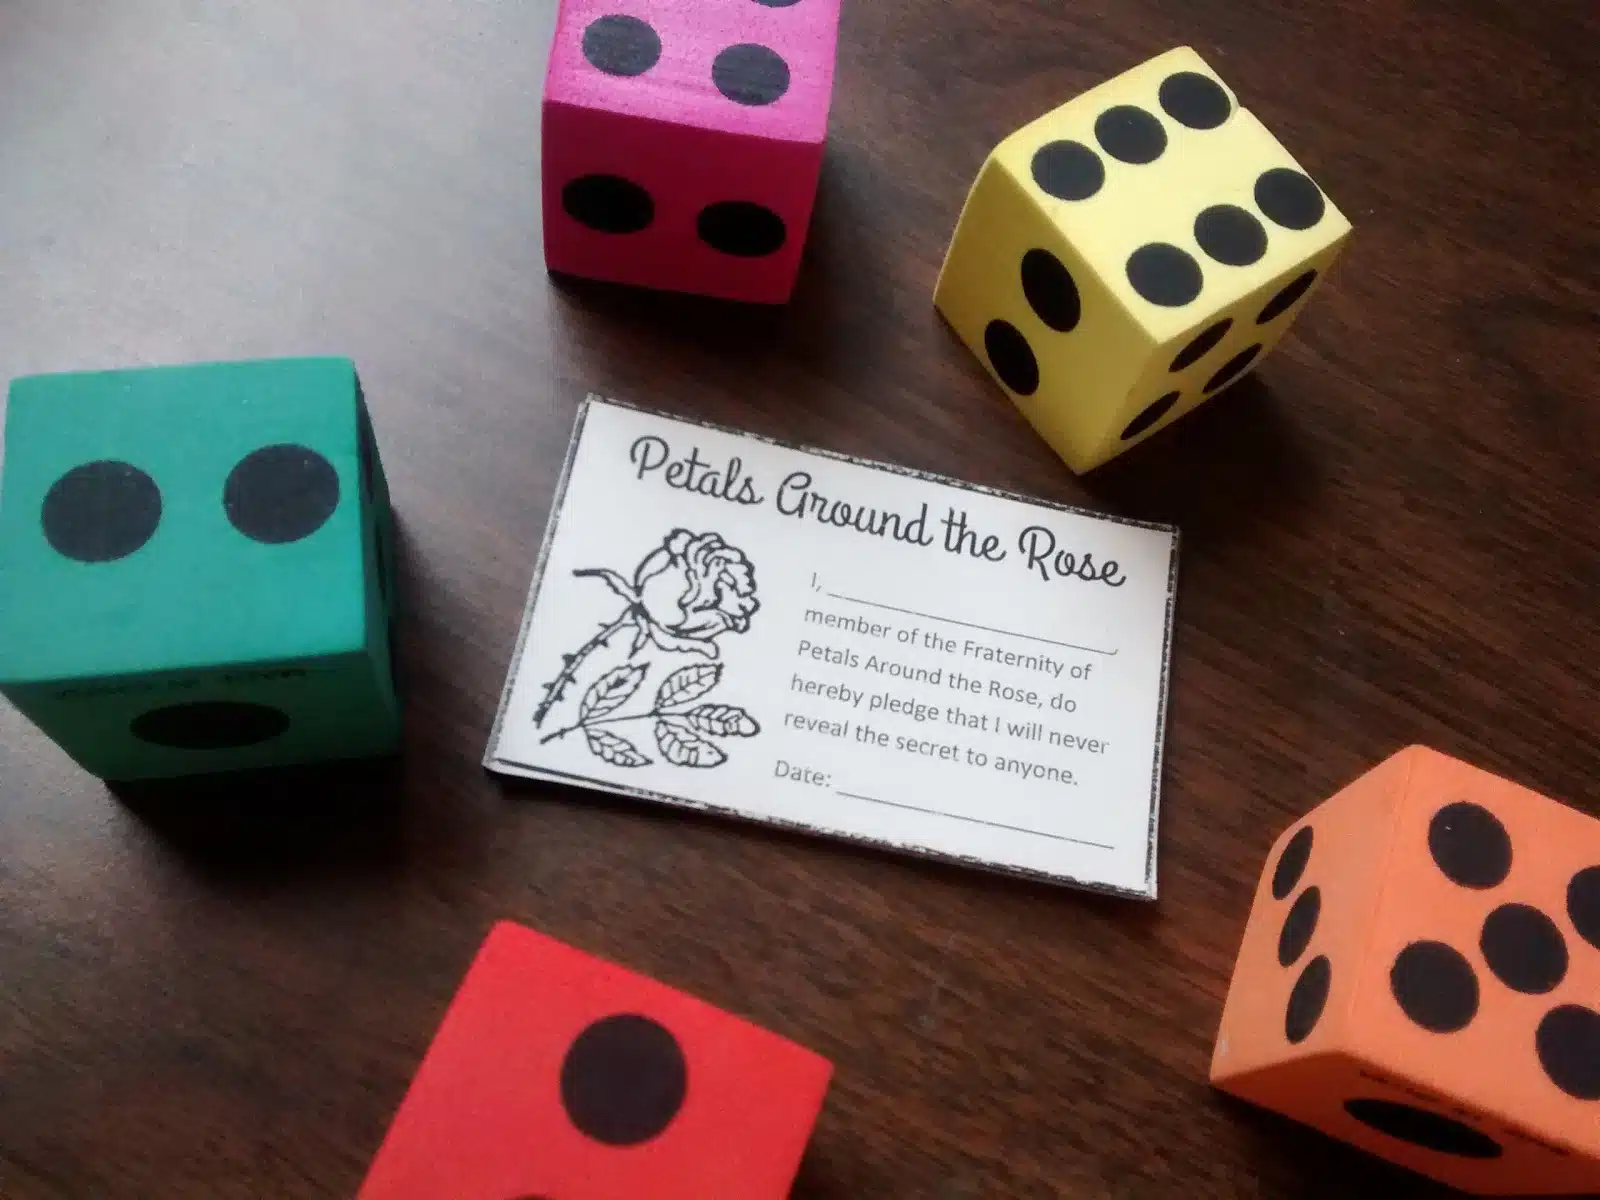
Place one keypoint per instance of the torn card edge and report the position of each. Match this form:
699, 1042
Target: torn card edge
557, 506
1162, 704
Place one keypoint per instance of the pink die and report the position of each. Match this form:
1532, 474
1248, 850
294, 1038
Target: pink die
682, 141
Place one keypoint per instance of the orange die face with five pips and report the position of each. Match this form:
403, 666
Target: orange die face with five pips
1420, 975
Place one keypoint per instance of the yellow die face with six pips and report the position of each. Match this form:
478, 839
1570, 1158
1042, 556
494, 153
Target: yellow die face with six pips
1130, 254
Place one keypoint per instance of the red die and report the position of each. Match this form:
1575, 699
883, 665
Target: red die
682, 141
559, 1075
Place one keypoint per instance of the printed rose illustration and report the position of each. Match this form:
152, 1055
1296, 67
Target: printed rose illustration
689, 591
686, 593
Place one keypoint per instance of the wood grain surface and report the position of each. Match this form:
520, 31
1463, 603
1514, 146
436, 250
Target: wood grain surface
1389, 536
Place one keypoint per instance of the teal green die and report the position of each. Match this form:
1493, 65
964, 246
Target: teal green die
196, 567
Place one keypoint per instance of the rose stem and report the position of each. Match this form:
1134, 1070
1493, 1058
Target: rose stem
559, 683
654, 712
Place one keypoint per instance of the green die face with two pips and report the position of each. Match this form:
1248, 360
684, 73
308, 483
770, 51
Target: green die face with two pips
196, 567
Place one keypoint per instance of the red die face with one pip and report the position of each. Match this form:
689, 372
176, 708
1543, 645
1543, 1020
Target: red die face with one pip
559, 1076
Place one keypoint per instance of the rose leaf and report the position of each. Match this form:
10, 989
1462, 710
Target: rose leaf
611, 691
618, 751
682, 747
723, 720
688, 683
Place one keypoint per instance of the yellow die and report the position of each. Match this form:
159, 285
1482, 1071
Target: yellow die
1130, 254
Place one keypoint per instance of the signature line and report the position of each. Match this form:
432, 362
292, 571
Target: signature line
934, 812
911, 612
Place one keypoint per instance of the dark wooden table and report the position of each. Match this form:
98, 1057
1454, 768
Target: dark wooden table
1389, 536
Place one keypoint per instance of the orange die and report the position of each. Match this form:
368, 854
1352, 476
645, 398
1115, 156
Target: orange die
1419, 977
